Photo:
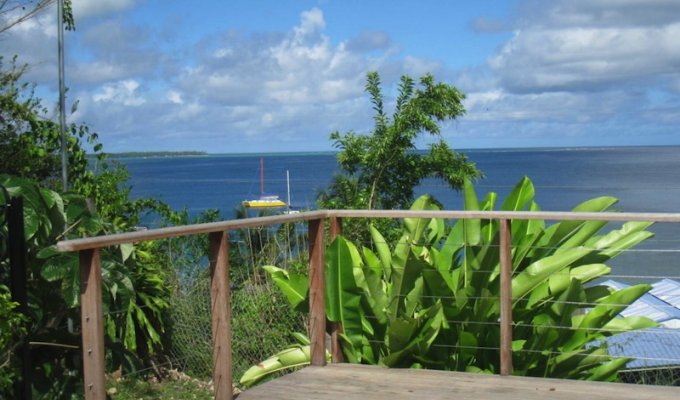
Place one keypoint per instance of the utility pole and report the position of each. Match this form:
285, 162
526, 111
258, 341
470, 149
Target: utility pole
62, 91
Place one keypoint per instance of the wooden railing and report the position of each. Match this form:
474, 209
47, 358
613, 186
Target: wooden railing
91, 280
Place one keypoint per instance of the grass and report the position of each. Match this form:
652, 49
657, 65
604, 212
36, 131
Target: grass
175, 387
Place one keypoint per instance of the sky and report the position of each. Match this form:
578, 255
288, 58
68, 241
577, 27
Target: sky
256, 76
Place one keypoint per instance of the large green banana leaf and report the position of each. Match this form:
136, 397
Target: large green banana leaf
294, 286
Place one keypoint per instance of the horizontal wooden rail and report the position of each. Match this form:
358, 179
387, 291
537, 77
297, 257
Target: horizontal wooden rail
509, 215
184, 230
222, 226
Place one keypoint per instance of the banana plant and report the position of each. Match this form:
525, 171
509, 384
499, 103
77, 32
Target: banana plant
294, 356
432, 299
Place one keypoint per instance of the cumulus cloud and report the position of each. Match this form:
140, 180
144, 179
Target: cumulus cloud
83, 9
569, 69
254, 89
592, 45
300, 67
578, 71
123, 92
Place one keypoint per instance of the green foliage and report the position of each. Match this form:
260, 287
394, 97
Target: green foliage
11, 325
431, 299
381, 170
294, 356
176, 386
135, 277
134, 296
30, 143
262, 322
17, 11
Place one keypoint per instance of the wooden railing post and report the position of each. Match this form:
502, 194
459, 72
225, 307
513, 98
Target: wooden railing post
92, 324
317, 307
506, 297
336, 327
221, 315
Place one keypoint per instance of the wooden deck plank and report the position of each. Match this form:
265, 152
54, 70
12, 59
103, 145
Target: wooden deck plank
349, 382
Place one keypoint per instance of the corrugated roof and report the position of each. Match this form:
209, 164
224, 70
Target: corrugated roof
655, 347
652, 306
651, 348
667, 290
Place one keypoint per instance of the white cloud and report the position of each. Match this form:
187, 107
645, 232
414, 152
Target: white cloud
587, 58
301, 67
578, 72
174, 97
90, 8
572, 69
122, 92
592, 45
482, 99
311, 21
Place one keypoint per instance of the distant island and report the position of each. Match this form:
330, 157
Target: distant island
139, 154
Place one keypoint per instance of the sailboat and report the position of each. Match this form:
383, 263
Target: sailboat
265, 201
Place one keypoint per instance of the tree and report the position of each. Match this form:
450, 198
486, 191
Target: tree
382, 169
13, 12
136, 285
30, 143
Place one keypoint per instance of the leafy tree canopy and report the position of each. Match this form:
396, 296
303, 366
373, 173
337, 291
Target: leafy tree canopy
383, 168
13, 12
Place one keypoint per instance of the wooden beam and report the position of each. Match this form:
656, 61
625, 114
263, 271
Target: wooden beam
506, 297
317, 307
336, 327
92, 324
221, 315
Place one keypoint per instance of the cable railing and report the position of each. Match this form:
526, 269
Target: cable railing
219, 264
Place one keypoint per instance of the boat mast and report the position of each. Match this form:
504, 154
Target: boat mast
288, 190
261, 176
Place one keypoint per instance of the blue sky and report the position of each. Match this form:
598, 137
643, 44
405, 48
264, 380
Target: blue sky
267, 76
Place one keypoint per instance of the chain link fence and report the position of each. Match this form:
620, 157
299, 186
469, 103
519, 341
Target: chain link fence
262, 319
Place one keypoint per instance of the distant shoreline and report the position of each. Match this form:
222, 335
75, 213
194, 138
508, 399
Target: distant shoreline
162, 154
156, 154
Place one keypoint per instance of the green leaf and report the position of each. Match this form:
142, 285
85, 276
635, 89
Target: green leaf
295, 356
126, 250
71, 286
540, 270
383, 250
416, 226
472, 227
47, 252
520, 196
566, 229
295, 287
55, 270
343, 296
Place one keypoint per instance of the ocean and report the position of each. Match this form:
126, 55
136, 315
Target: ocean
644, 179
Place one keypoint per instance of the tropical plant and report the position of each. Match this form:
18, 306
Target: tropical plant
431, 300
293, 356
11, 324
383, 168
135, 291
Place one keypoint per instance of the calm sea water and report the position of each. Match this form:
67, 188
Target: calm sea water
644, 179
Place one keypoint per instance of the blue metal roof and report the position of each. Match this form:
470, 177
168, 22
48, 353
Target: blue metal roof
651, 348
654, 347
652, 304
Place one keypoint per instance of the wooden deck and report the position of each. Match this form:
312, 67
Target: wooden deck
348, 382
